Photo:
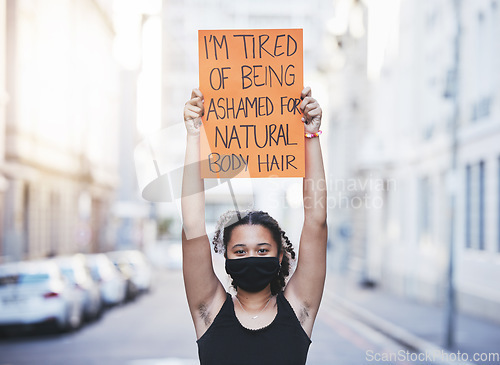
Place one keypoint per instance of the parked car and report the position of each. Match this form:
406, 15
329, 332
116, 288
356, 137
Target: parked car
131, 291
76, 271
35, 292
141, 271
111, 282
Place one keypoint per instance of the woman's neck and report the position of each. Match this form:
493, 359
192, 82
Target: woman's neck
254, 301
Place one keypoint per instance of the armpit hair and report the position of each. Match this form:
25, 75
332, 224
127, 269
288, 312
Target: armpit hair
204, 314
304, 313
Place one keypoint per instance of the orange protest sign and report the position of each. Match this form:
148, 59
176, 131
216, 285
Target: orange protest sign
251, 81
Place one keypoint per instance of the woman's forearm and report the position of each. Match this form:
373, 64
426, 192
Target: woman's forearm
193, 192
314, 188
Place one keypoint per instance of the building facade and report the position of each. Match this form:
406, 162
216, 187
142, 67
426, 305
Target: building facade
3, 102
429, 139
61, 127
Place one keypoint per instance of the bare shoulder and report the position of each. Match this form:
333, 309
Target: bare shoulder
305, 310
204, 313
305, 287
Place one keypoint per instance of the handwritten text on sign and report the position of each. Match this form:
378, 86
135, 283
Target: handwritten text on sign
251, 81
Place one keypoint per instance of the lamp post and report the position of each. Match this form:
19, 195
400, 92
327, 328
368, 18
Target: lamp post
452, 92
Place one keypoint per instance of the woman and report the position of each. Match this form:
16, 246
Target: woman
266, 322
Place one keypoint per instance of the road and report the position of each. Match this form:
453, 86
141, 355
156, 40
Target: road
156, 329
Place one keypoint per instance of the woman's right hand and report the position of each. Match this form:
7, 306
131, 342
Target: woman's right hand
193, 111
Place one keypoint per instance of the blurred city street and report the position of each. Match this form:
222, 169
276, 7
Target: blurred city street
156, 329
92, 148
156, 325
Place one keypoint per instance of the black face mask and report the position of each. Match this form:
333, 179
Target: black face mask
253, 273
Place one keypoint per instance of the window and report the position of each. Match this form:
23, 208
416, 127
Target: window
425, 211
475, 206
468, 178
498, 210
485, 39
481, 205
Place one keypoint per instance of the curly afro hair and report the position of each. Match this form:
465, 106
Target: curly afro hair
232, 219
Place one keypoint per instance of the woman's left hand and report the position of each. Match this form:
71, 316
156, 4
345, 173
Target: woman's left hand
311, 110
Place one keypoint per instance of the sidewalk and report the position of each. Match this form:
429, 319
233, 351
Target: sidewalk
418, 326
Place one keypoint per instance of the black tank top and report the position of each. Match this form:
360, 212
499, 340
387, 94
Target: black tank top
227, 342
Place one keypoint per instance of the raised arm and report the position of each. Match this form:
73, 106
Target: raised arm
193, 193
305, 288
203, 289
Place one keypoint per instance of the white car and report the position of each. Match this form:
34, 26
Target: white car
142, 273
35, 292
111, 283
76, 271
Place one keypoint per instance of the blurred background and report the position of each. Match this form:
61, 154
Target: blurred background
411, 101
